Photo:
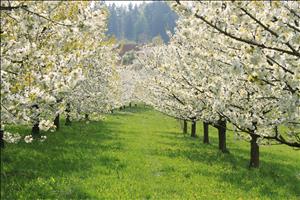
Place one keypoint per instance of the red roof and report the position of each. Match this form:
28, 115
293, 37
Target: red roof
128, 47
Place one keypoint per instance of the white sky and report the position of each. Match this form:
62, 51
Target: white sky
124, 3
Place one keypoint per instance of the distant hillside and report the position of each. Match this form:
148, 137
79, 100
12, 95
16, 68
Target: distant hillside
141, 23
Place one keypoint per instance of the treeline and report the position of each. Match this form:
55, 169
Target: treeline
141, 23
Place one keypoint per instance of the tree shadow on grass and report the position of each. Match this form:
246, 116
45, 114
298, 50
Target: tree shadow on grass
174, 138
134, 109
67, 153
131, 110
272, 175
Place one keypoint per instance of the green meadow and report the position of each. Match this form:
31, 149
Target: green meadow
142, 154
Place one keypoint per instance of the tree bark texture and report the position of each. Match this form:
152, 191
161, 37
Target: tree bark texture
193, 130
205, 133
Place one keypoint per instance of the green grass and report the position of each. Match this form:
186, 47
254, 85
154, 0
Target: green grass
142, 154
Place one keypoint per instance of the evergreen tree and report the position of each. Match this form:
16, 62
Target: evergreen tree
141, 23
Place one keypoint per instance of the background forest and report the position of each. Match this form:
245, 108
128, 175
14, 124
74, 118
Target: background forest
141, 23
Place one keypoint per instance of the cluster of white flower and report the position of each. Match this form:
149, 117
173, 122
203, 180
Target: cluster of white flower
16, 137
43, 138
28, 138
55, 53
11, 137
45, 125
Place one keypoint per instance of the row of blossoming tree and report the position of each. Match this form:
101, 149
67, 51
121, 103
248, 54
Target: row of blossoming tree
55, 59
230, 62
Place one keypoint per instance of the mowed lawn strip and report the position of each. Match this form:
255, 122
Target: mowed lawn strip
142, 154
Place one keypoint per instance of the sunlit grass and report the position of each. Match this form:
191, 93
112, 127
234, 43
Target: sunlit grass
142, 154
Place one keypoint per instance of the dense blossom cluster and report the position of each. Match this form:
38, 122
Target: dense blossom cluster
54, 54
231, 61
256, 46
12, 137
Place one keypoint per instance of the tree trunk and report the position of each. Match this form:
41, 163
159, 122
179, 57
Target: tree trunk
193, 131
205, 134
86, 116
1, 139
120, 108
254, 152
68, 110
124, 107
35, 131
68, 121
185, 127
56, 122
135, 105
130, 105
222, 136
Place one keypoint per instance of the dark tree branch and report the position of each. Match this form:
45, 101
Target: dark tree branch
254, 43
46, 18
10, 8
292, 11
259, 22
282, 67
181, 102
293, 27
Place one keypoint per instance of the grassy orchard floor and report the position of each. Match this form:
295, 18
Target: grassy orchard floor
142, 154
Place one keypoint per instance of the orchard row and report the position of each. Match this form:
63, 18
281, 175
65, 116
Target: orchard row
55, 59
230, 62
